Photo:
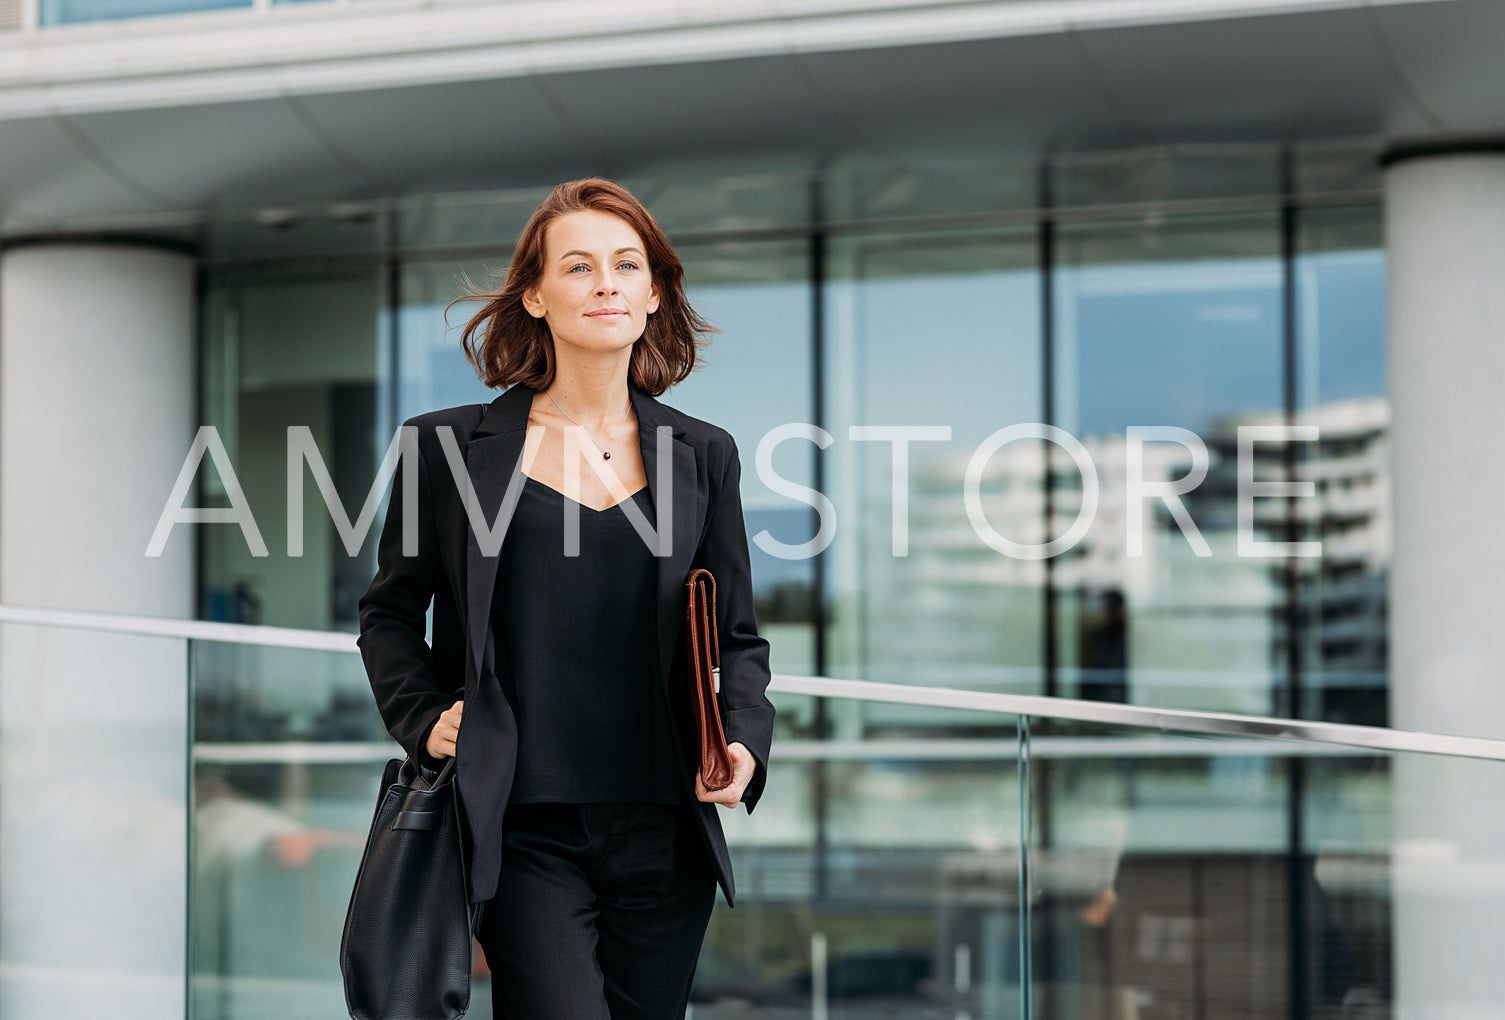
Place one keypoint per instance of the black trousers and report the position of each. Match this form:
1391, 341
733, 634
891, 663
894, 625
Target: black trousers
600, 912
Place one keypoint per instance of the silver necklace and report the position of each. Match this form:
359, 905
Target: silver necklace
606, 453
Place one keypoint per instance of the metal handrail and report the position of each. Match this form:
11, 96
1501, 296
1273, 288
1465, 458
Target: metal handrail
1221, 724
887, 750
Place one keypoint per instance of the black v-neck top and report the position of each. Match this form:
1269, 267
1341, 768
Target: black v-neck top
580, 634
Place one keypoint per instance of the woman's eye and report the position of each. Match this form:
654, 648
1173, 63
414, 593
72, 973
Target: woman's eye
620, 265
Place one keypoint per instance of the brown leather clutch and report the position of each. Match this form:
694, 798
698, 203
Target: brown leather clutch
703, 650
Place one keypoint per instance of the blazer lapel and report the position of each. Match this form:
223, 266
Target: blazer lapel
494, 458
685, 501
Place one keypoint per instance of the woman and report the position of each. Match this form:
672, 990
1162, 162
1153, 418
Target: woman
555, 550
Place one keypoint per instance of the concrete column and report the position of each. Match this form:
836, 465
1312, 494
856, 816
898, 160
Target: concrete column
1445, 226
96, 415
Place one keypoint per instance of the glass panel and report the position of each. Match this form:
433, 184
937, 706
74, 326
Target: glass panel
1337, 167
1174, 323
432, 369
93, 817
288, 755
467, 220
63, 12
897, 864
289, 232
1210, 173
1158, 175
687, 204
294, 347
869, 188
688, 201
1174, 876
756, 376
942, 607
1446, 863
1158, 871
1344, 595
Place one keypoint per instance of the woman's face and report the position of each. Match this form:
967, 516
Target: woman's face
596, 289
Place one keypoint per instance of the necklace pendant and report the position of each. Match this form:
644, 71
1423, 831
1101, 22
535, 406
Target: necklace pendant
606, 455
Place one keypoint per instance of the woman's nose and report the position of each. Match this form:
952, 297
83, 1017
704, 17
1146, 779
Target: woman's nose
607, 284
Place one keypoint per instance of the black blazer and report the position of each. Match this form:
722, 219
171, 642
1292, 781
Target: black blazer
414, 681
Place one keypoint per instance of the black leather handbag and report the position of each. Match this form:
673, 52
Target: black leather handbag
406, 950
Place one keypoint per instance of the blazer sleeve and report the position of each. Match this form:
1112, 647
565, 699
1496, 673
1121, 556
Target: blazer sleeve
399, 663
746, 712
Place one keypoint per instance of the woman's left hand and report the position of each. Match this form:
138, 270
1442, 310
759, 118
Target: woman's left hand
743, 766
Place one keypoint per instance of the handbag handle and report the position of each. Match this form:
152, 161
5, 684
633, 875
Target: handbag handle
707, 581
414, 774
703, 651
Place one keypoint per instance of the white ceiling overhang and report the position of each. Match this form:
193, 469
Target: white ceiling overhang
171, 116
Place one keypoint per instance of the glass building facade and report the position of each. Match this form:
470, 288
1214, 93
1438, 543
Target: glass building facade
1203, 290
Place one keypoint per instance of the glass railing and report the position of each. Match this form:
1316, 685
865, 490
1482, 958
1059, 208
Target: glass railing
182, 814
93, 812
1205, 876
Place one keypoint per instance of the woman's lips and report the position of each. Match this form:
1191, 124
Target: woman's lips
607, 313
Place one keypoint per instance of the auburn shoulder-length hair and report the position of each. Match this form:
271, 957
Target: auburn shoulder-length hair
507, 345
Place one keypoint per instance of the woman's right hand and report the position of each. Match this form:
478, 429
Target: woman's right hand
441, 742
